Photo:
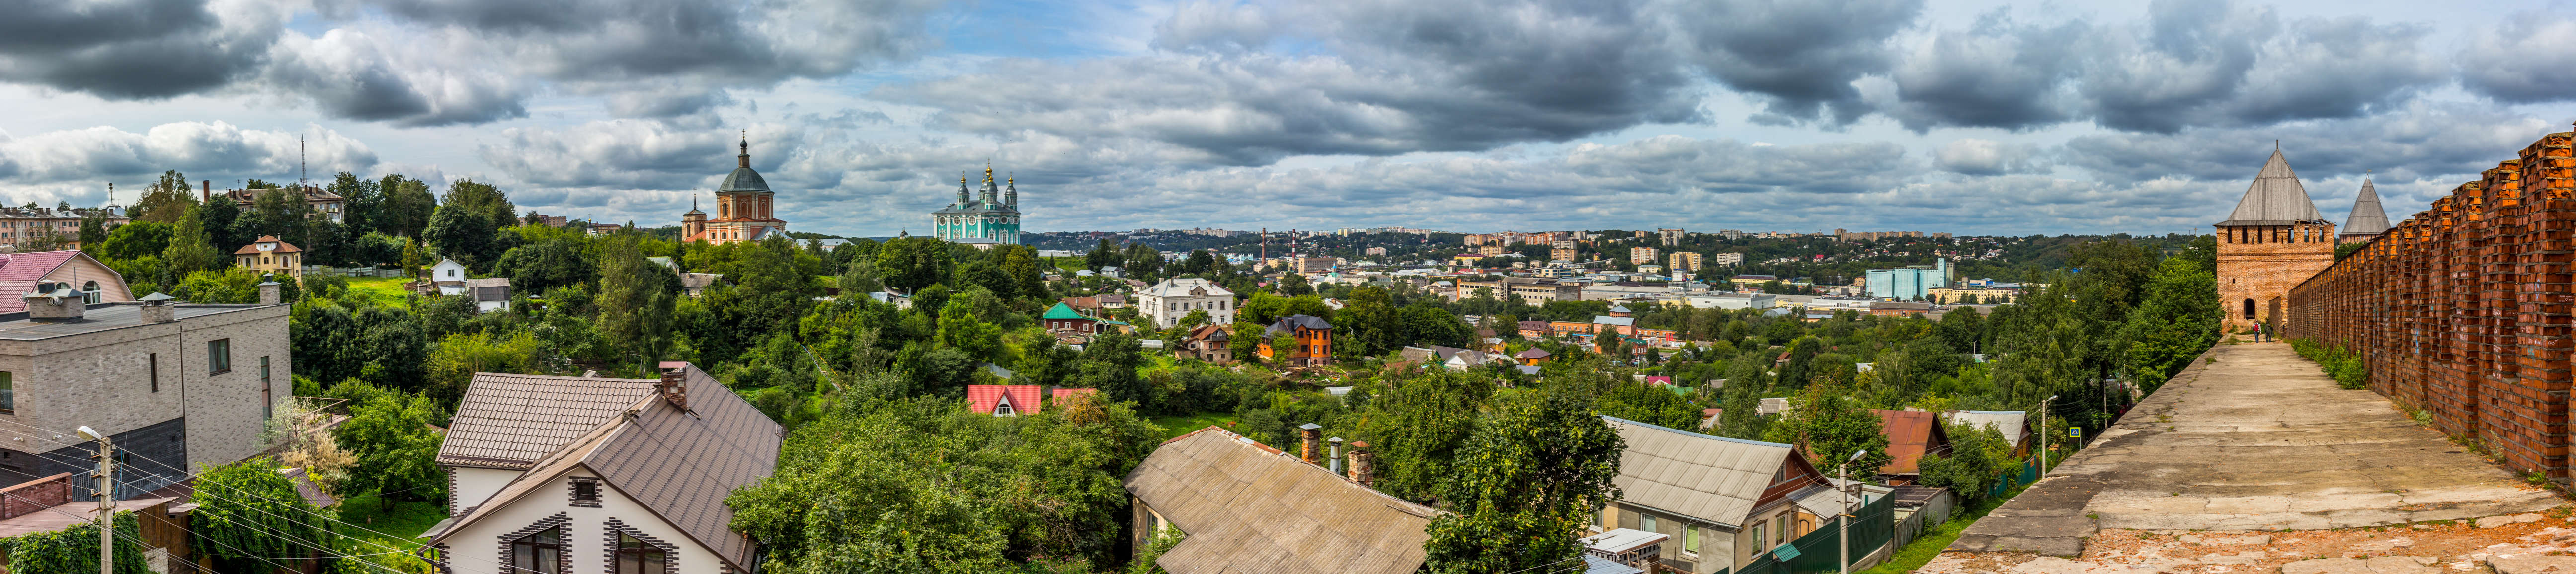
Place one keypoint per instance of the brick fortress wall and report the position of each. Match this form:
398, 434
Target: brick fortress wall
2260, 263
2464, 310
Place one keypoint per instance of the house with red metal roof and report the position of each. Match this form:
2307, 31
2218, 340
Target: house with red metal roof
1910, 435
1002, 400
20, 272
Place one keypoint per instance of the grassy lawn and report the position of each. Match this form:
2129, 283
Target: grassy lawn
1931, 542
387, 289
407, 519
1177, 425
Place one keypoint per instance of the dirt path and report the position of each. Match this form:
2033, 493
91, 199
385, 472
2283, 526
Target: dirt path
2258, 440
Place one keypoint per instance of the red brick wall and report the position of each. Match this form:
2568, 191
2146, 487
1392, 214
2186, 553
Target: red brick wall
2464, 310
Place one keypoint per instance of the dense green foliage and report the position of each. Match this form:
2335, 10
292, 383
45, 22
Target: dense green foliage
74, 550
1524, 486
2347, 367
251, 518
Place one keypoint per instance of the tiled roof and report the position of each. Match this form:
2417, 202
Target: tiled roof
509, 421
282, 246
1910, 434
982, 399
1249, 508
1709, 478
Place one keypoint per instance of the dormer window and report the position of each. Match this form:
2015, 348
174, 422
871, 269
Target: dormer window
585, 492
1004, 409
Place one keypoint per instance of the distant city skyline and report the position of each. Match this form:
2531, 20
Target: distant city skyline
1991, 118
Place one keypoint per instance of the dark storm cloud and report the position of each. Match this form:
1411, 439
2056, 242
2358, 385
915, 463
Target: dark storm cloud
133, 49
2421, 140
1399, 77
2529, 60
2192, 63
1799, 57
438, 62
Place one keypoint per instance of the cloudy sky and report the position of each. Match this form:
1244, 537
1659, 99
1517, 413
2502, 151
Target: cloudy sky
1972, 117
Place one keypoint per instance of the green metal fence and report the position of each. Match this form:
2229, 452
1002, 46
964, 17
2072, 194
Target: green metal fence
2027, 473
1871, 528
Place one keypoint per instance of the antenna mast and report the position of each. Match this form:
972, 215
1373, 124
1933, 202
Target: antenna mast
300, 181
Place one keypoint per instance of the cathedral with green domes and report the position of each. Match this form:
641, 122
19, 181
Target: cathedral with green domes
993, 218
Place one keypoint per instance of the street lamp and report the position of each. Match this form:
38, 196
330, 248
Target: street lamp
1842, 520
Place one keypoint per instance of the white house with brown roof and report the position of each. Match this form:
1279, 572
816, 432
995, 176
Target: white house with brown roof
1723, 501
558, 475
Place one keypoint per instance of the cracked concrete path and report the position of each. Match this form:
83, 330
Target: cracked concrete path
2258, 440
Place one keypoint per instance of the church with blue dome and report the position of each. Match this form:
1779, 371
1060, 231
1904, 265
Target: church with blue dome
990, 218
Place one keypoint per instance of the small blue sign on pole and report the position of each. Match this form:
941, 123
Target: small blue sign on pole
2075, 432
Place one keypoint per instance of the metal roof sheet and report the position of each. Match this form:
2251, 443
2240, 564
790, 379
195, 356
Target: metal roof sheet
2275, 197
2367, 217
1250, 508
510, 421
1714, 479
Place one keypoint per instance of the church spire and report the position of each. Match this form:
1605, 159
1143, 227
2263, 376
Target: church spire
744, 160
1011, 192
961, 190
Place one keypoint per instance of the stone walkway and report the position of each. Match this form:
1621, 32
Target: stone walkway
2257, 441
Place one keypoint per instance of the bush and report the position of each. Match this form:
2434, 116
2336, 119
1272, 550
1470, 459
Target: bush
2346, 366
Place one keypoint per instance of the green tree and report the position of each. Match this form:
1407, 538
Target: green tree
221, 219
537, 268
397, 450
488, 202
1649, 404
190, 250
135, 240
2177, 321
1977, 460
249, 518
462, 234
407, 206
1828, 425
74, 549
1368, 322
637, 300
166, 200
1417, 427
912, 263
1524, 487
93, 232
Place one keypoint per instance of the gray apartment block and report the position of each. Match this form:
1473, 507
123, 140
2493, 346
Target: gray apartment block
192, 386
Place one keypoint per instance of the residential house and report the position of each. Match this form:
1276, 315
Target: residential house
696, 284
1251, 508
448, 276
1117, 301
1536, 329
1168, 302
1450, 358
489, 293
269, 255
1910, 435
1314, 339
1062, 319
2014, 425
1533, 356
177, 386
1002, 400
617, 476
1726, 500
1083, 305
1208, 343
21, 272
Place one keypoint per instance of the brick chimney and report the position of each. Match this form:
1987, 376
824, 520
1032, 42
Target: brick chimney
1308, 435
675, 385
157, 309
1361, 471
270, 293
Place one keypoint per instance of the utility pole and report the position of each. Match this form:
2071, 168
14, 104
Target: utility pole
2043, 434
1842, 520
106, 501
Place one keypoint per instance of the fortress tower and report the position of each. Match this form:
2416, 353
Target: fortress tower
2274, 240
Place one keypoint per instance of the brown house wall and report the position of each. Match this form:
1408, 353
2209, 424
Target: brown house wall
2463, 310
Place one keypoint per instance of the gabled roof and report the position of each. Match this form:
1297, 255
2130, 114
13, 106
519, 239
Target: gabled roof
679, 464
1708, 478
1910, 434
1249, 508
1307, 321
982, 399
1609, 320
19, 273
2013, 424
1211, 333
253, 247
2367, 218
1181, 287
509, 421
1533, 353
2275, 198
1063, 311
